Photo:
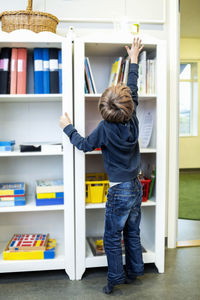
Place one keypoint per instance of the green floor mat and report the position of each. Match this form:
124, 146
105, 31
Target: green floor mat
189, 195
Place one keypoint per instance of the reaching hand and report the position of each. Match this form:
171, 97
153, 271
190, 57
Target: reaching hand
64, 121
135, 50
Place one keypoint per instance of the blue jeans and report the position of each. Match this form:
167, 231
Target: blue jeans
123, 213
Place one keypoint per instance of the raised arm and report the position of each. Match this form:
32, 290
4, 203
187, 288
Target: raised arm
133, 54
94, 140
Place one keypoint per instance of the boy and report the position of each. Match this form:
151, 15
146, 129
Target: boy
117, 135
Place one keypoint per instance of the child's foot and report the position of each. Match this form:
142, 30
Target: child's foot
107, 289
130, 280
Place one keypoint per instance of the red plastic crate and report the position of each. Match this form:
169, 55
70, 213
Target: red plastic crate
145, 185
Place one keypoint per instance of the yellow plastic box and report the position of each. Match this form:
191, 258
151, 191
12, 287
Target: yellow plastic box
97, 185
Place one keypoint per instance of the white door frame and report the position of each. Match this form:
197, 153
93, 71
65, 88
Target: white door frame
173, 178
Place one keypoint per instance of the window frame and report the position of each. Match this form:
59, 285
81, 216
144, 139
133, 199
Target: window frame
193, 133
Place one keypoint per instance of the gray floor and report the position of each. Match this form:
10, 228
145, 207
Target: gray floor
181, 280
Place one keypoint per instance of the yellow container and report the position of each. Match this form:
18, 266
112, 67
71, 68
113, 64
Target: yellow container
96, 187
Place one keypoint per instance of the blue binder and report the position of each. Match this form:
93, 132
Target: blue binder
60, 70
38, 71
46, 70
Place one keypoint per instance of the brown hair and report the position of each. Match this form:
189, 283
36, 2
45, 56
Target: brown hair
116, 104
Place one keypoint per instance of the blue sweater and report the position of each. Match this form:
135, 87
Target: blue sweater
119, 142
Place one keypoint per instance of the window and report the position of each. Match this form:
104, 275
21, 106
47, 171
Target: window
188, 101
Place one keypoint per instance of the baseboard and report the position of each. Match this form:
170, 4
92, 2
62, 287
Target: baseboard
192, 243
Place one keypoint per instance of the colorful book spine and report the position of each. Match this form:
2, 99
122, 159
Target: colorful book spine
30, 72
21, 70
13, 71
38, 71
115, 71
142, 73
54, 71
91, 75
5, 70
46, 72
7, 143
60, 70
6, 148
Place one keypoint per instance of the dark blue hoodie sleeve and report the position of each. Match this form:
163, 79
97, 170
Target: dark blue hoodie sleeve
132, 82
94, 140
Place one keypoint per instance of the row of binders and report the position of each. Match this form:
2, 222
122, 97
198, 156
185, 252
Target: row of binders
30, 71
119, 74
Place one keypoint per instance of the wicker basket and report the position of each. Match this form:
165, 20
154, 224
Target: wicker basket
28, 19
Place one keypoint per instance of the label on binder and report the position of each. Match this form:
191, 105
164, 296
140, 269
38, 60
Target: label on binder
38, 65
20, 65
53, 64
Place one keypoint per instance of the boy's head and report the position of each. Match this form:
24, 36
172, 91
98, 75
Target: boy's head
116, 104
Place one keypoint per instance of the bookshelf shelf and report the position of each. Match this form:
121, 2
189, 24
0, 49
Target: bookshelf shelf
31, 207
35, 117
142, 150
101, 260
102, 205
95, 97
102, 52
22, 154
31, 98
7, 266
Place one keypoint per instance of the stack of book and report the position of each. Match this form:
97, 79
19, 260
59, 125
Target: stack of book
49, 192
30, 246
146, 73
12, 194
36, 71
90, 87
119, 71
7, 145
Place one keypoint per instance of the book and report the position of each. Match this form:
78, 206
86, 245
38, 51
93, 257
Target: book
91, 75
54, 71
46, 72
49, 186
5, 70
30, 72
13, 71
7, 143
142, 73
15, 188
88, 78
6, 148
115, 71
38, 71
21, 70
60, 70
87, 83
126, 70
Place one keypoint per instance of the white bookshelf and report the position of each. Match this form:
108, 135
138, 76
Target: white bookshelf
35, 118
102, 50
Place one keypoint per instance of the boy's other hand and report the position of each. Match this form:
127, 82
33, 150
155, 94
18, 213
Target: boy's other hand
64, 121
135, 50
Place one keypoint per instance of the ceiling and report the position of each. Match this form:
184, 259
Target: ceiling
190, 18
